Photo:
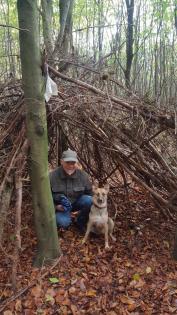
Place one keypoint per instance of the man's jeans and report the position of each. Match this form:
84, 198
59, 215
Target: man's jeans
82, 205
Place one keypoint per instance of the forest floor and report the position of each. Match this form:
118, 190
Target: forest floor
135, 276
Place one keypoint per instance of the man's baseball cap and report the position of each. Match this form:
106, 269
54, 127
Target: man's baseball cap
69, 156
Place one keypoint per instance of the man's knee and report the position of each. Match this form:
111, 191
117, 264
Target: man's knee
63, 221
85, 201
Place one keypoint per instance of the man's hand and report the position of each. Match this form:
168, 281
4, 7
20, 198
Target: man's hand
59, 208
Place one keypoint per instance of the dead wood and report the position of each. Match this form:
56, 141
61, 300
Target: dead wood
20, 163
4, 205
110, 134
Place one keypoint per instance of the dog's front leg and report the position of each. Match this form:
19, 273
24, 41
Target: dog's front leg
89, 225
106, 235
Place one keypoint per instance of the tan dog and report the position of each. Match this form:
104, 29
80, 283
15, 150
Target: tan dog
99, 221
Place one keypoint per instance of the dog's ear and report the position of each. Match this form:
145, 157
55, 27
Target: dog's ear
106, 187
95, 186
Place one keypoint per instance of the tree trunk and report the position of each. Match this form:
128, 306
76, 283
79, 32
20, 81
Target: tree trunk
129, 41
175, 15
47, 26
33, 84
4, 206
65, 35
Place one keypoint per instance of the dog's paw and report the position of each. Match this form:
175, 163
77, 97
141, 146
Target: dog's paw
113, 238
107, 247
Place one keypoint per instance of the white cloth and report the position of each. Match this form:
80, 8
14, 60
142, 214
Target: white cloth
50, 89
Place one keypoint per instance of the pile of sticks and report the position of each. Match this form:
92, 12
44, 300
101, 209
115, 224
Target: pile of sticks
117, 140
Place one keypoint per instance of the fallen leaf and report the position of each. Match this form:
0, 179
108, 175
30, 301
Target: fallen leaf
63, 310
54, 280
139, 284
74, 309
135, 294
172, 309
66, 301
128, 264
60, 295
27, 311
18, 306
121, 288
7, 313
91, 293
73, 281
132, 307
49, 298
136, 277
51, 292
126, 300
166, 244
36, 291
72, 290
82, 285
38, 301
148, 270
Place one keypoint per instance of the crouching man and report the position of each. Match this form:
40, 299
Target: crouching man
71, 191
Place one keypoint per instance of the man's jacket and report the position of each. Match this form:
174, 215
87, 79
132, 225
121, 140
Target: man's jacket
72, 186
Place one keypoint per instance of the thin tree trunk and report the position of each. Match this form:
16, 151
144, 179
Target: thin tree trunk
4, 205
47, 26
129, 41
33, 84
64, 36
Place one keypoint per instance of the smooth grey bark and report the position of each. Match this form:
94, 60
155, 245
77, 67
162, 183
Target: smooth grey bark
129, 41
175, 16
33, 85
65, 34
47, 26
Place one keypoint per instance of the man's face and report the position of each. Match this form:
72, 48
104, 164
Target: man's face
69, 167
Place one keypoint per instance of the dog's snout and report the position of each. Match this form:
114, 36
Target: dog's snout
100, 200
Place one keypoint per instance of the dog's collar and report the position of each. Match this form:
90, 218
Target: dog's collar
99, 207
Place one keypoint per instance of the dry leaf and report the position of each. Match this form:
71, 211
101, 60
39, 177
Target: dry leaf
73, 281
121, 288
136, 277
18, 306
132, 307
82, 285
38, 301
63, 310
139, 284
28, 304
51, 292
166, 244
91, 293
27, 312
148, 270
135, 294
74, 309
126, 300
60, 294
7, 313
66, 301
72, 290
128, 264
36, 291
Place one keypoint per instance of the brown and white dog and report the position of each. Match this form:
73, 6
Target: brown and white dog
99, 221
